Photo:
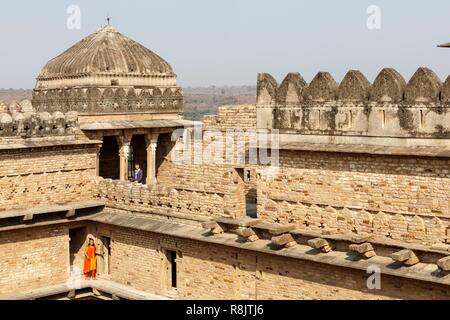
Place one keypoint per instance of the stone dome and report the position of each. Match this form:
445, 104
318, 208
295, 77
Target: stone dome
106, 58
108, 74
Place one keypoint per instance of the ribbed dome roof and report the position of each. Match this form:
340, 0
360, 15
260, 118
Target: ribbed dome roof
106, 52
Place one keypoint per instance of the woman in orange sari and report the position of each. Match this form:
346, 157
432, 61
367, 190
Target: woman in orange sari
90, 260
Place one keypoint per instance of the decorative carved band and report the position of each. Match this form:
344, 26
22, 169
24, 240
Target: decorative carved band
110, 100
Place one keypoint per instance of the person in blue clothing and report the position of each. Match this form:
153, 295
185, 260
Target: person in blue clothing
138, 174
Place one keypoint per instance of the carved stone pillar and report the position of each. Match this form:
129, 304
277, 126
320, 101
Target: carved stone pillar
97, 168
98, 136
124, 153
152, 143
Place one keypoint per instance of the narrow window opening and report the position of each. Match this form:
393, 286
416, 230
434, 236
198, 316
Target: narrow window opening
171, 269
421, 119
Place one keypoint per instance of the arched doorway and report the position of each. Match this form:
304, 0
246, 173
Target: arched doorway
109, 162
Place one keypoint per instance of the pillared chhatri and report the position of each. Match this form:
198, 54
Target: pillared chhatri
356, 205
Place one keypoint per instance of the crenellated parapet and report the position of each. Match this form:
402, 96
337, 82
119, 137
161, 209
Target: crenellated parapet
14, 106
37, 124
389, 106
170, 200
111, 99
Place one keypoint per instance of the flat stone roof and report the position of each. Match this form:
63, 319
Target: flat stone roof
146, 222
51, 209
128, 124
361, 148
11, 144
420, 271
78, 283
59, 214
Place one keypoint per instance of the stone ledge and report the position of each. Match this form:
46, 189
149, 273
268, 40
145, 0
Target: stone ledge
420, 271
100, 285
276, 229
119, 125
362, 144
69, 208
19, 143
241, 222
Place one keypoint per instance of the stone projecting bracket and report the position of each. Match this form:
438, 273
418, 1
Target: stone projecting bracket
365, 249
320, 244
405, 256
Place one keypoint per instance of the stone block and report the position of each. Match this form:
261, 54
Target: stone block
444, 263
277, 230
369, 254
27, 217
70, 213
244, 232
209, 225
241, 222
283, 239
361, 248
217, 230
408, 257
71, 294
317, 243
360, 238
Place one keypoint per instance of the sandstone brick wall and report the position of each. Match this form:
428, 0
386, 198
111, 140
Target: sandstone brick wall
135, 259
213, 164
184, 194
33, 258
46, 176
390, 107
207, 185
284, 278
241, 116
21, 121
207, 271
403, 198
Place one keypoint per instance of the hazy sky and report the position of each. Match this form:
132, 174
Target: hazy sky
212, 42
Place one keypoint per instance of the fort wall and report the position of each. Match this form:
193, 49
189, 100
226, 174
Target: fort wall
194, 192
31, 124
46, 175
241, 116
402, 198
208, 271
33, 258
388, 107
44, 160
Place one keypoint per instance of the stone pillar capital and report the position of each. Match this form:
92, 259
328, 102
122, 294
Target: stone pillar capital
152, 146
124, 140
124, 151
124, 143
151, 138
